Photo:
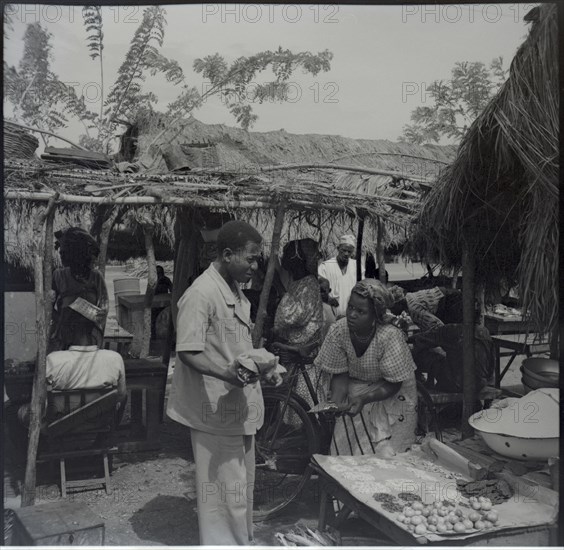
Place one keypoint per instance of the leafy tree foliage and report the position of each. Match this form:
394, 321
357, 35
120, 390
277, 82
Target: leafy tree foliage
455, 104
236, 83
93, 23
38, 97
127, 99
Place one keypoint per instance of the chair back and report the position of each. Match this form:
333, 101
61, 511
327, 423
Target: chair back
85, 411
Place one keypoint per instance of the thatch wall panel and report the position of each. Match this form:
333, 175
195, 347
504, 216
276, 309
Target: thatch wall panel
499, 197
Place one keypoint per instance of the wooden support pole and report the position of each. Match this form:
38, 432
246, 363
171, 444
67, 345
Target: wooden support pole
105, 238
359, 248
380, 252
481, 299
169, 341
554, 339
269, 276
469, 372
148, 230
42, 257
454, 280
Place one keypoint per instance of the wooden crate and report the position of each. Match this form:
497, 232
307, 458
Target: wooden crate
58, 524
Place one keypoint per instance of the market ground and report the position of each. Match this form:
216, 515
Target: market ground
153, 501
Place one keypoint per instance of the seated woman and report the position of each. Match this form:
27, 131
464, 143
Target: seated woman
373, 377
299, 317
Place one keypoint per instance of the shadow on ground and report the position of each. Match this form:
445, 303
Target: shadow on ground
167, 520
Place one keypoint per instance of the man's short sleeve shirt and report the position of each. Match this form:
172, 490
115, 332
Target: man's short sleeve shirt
213, 321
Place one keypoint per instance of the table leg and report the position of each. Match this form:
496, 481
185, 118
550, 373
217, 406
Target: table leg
497, 366
326, 503
342, 516
153, 417
507, 366
137, 407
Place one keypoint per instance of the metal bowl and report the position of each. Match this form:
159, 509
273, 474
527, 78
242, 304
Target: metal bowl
536, 381
541, 365
519, 448
539, 372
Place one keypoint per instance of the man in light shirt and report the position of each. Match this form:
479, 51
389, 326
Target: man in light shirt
222, 410
82, 366
340, 271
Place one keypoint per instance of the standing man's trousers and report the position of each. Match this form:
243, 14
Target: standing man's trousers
225, 477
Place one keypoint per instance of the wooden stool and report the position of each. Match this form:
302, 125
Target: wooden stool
58, 524
66, 483
85, 429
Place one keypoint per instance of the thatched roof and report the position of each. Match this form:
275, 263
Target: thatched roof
326, 181
500, 196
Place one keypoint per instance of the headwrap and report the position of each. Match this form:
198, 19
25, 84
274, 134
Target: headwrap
397, 292
348, 240
78, 249
378, 294
295, 254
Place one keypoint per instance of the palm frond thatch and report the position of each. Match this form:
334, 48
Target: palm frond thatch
500, 196
247, 174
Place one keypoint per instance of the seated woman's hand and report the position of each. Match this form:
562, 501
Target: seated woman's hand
355, 405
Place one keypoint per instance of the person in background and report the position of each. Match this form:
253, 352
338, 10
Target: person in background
328, 314
299, 316
372, 377
77, 279
340, 271
370, 269
428, 308
438, 352
222, 410
164, 284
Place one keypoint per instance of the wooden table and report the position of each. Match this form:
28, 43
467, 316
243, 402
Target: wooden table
542, 535
116, 338
519, 344
502, 324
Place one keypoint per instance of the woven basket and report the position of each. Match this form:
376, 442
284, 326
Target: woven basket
18, 143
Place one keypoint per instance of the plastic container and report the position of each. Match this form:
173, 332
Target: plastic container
127, 286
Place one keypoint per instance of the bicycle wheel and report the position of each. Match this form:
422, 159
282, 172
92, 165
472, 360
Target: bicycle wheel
283, 448
427, 417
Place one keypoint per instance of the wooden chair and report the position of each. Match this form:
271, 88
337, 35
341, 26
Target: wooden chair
85, 427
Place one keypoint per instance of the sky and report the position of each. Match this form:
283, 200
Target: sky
384, 56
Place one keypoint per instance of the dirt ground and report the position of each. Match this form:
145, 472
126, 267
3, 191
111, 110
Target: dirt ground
153, 499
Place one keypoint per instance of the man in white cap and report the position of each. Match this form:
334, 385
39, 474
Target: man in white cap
340, 271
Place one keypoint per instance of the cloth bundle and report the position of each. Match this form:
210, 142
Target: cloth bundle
257, 362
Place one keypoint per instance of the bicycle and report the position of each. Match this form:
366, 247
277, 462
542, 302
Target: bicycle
288, 438
290, 435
